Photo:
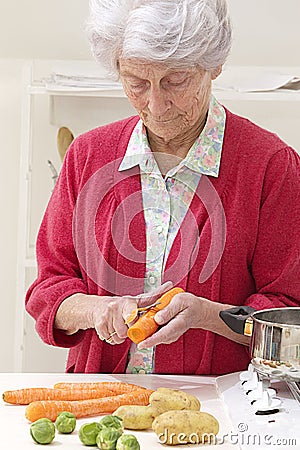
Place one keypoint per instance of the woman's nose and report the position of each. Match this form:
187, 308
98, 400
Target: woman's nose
158, 101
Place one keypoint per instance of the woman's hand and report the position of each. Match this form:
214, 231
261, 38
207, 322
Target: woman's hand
189, 311
110, 313
104, 313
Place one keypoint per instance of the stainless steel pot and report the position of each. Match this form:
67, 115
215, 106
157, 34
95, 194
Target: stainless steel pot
275, 338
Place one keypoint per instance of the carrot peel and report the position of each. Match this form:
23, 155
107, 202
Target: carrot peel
145, 326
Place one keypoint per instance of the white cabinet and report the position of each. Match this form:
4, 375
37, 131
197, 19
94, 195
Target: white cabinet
43, 113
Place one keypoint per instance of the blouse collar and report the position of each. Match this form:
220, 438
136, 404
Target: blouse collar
203, 157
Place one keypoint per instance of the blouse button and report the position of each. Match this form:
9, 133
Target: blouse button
152, 279
159, 229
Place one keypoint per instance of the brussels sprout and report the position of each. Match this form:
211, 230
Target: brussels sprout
65, 422
127, 442
88, 433
112, 422
107, 438
42, 431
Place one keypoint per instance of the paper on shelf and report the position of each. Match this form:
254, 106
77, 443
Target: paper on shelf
52, 85
256, 79
87, 75
79, 76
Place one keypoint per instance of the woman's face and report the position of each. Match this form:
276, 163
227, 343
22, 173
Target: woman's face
170, 102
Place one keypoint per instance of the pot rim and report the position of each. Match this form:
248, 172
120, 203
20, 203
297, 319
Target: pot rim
267, 322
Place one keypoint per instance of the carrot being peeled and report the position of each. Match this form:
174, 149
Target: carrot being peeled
50, 409
26, 396
145, 326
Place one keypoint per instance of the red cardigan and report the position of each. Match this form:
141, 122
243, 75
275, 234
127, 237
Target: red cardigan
259, 188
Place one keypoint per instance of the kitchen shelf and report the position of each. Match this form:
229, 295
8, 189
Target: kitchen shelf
40, 89
281, 95
86, 105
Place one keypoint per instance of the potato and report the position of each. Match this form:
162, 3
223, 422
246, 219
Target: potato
186, 427
136, 417
165, 399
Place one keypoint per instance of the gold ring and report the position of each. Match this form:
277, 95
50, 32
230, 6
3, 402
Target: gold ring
112, 334
109, 339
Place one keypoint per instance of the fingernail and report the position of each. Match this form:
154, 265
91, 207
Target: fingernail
158, 319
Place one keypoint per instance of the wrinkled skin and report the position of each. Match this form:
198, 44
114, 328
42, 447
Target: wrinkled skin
172, 103
106, 314
189, 311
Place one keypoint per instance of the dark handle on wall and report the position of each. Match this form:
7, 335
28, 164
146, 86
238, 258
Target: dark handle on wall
236, 318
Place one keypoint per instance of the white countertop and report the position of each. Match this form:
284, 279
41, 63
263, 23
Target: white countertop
14, 427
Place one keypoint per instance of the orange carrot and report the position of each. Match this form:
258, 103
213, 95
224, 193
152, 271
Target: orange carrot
117, 387
86, 408
26, 396
145, 326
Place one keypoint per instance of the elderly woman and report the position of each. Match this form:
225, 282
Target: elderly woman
184, 194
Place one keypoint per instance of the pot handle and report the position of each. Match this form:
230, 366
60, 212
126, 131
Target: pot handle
238, 319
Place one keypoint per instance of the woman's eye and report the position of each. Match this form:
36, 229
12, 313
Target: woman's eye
136, 86
176, 83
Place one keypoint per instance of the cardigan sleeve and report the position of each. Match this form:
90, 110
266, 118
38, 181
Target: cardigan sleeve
276, 261
59, 274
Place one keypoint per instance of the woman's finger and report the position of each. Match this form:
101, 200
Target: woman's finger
149, 298
104, 321
130, 304
119, 328
166, 334
179, 303
113, 338
115, 324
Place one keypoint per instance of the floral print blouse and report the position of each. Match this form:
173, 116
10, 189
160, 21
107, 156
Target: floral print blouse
166, 201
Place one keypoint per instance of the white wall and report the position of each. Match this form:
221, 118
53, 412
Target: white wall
43, 29
10, 87
266, 32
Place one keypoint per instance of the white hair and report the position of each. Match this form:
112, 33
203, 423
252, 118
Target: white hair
181, 33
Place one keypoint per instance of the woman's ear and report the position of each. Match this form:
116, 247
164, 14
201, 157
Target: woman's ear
216, 72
